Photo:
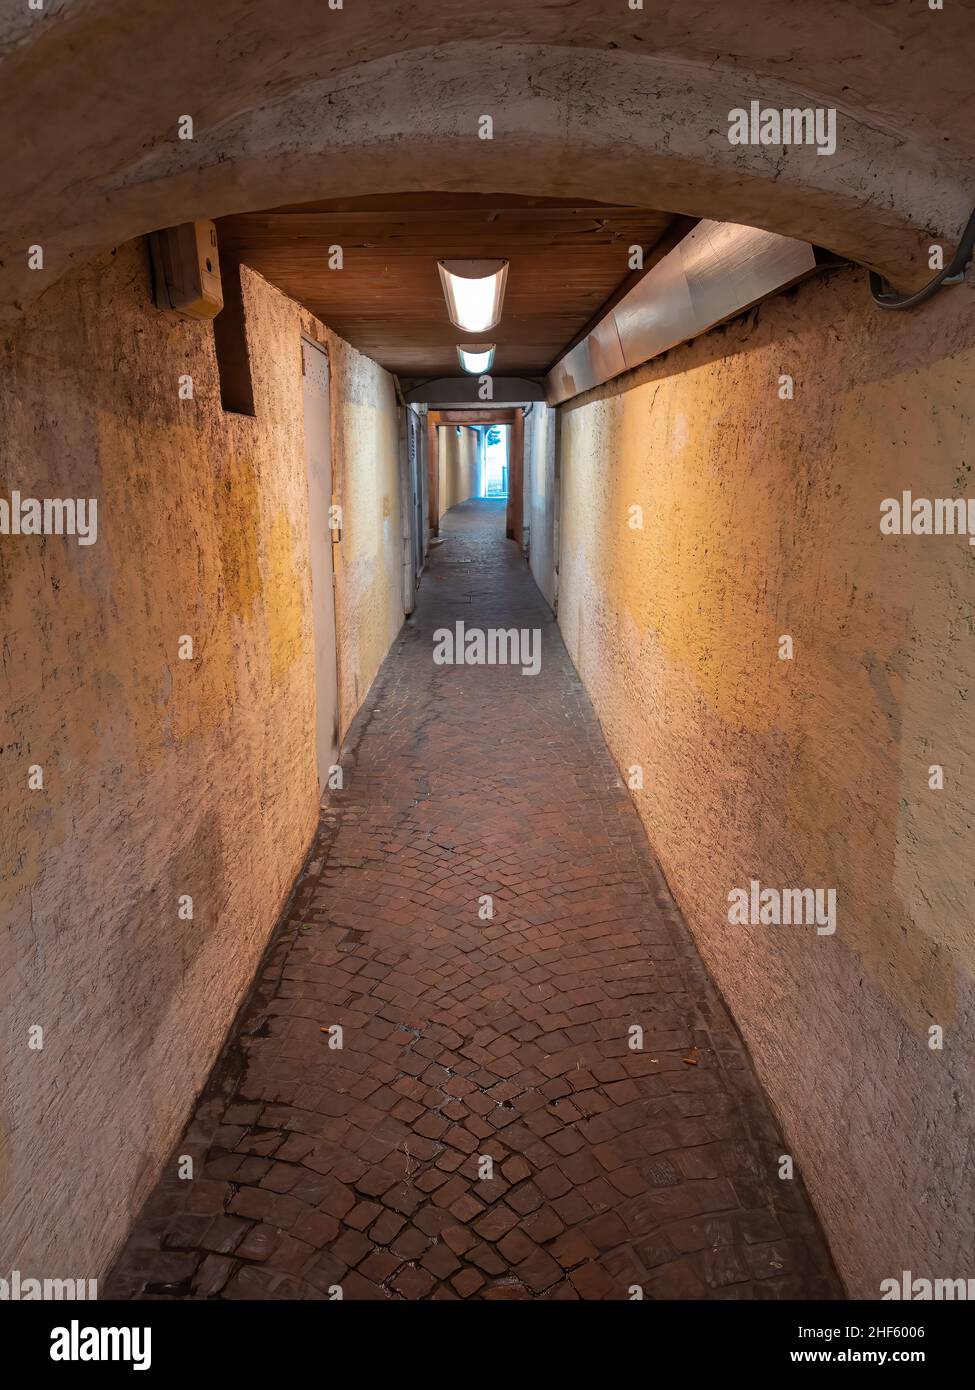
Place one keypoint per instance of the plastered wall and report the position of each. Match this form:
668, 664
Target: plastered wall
760, 518
458, 465
541, 498
163, 779
368, 561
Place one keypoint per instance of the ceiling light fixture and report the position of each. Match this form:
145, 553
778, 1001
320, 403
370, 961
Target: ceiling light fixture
476, 357
473, 291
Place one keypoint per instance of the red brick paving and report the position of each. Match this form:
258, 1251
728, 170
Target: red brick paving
468, 1040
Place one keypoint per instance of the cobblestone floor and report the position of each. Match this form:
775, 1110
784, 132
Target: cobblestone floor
469, 1039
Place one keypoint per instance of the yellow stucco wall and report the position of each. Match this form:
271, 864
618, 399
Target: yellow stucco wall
368, 561
163, 778
458, 465
761, 519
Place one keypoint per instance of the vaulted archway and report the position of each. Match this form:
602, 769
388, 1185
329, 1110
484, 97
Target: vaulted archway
598, 101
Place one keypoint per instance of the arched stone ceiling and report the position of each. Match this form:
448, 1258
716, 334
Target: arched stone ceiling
590, 99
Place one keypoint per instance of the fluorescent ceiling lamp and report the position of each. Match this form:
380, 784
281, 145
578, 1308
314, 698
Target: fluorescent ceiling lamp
473, 291
476, 357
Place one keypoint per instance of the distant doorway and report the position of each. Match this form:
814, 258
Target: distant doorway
494, 468
511, 419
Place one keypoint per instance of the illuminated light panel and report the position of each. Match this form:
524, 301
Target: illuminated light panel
476, 357
474, 291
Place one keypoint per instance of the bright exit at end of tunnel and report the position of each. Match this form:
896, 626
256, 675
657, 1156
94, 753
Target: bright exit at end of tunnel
487, 591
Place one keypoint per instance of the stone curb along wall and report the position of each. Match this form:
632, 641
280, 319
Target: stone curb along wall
163, 779
761, 518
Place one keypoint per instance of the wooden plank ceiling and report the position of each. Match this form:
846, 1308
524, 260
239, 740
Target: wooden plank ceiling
566, 260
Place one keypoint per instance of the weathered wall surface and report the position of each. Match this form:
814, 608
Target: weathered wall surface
541, 499
368, 561
162, 777
761, 518
306, 104
458, 465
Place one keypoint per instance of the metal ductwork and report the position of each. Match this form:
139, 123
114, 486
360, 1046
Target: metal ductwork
720, 269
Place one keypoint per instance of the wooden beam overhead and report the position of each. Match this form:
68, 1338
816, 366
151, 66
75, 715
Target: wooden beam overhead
476, 417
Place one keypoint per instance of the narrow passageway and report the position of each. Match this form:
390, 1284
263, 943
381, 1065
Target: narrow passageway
487, 595
476, 1044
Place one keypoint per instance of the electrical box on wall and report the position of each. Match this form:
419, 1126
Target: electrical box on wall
186, 268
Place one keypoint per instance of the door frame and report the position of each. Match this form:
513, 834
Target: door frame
500, 415
322, 569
